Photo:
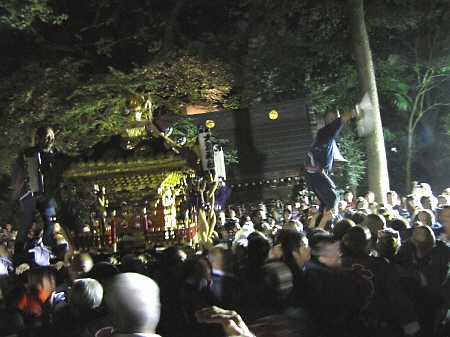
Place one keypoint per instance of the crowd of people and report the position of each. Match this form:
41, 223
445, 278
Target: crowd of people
373, 270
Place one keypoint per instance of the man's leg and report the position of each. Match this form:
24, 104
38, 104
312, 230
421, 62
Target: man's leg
27, 208
325, 189
47, 208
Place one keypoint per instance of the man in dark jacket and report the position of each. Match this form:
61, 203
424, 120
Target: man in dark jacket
34, 179
319, 162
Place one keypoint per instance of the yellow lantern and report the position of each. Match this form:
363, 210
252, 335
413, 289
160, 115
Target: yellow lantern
273, 114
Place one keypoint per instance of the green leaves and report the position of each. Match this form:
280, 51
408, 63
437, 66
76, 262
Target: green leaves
20, 14
402, 102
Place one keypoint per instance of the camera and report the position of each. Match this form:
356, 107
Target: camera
59, 297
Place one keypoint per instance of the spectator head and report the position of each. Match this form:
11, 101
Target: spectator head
392, 198
398, 224
326, 250
402, 227
295, 247
41, 282
410, 205
361, 203
293, 225
80, 264
426, 189
133, 301
171, 263
341, 227
341, 206
257, 250
374, 222
426, 202
389, 241
370, 197
103, 272
264, 227
132, 263
330, 116
287, 214
358, 217
443, 199
357, 240
244, 219
424, 240
5, 251
257, 216
232, 226
221, 258
348, 196
446, 191
85, 294
444, 219
45, 138
426, 217
197, 269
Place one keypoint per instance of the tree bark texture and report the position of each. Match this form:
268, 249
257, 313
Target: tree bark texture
377, 170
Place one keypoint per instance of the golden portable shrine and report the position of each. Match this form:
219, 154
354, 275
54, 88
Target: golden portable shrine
149, 190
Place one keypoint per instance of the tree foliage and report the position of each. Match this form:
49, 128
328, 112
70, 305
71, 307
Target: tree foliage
81, 72
415, 76
20, 14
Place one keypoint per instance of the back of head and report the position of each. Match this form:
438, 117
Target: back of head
133, 300
82, 262
374, 222
356, 240
358, 217
443, 199
171, 263
312, 231
341, 227
257, 251
37, 275
221, 258
103, 272
294, 225
423, 239
320, 243
85, 294
389, 241
426, 216
398, 224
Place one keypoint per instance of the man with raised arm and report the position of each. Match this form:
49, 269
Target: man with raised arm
319, 163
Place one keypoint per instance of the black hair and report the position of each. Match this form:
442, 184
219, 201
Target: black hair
329, 112
341, 227
290, 242
257, 250
319, 242
356, 239
42, 130
358, 217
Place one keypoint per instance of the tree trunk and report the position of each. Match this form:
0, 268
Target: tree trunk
377, 171
409, 151
170, 29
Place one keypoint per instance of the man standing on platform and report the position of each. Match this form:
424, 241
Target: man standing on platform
319, 163
37, 192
